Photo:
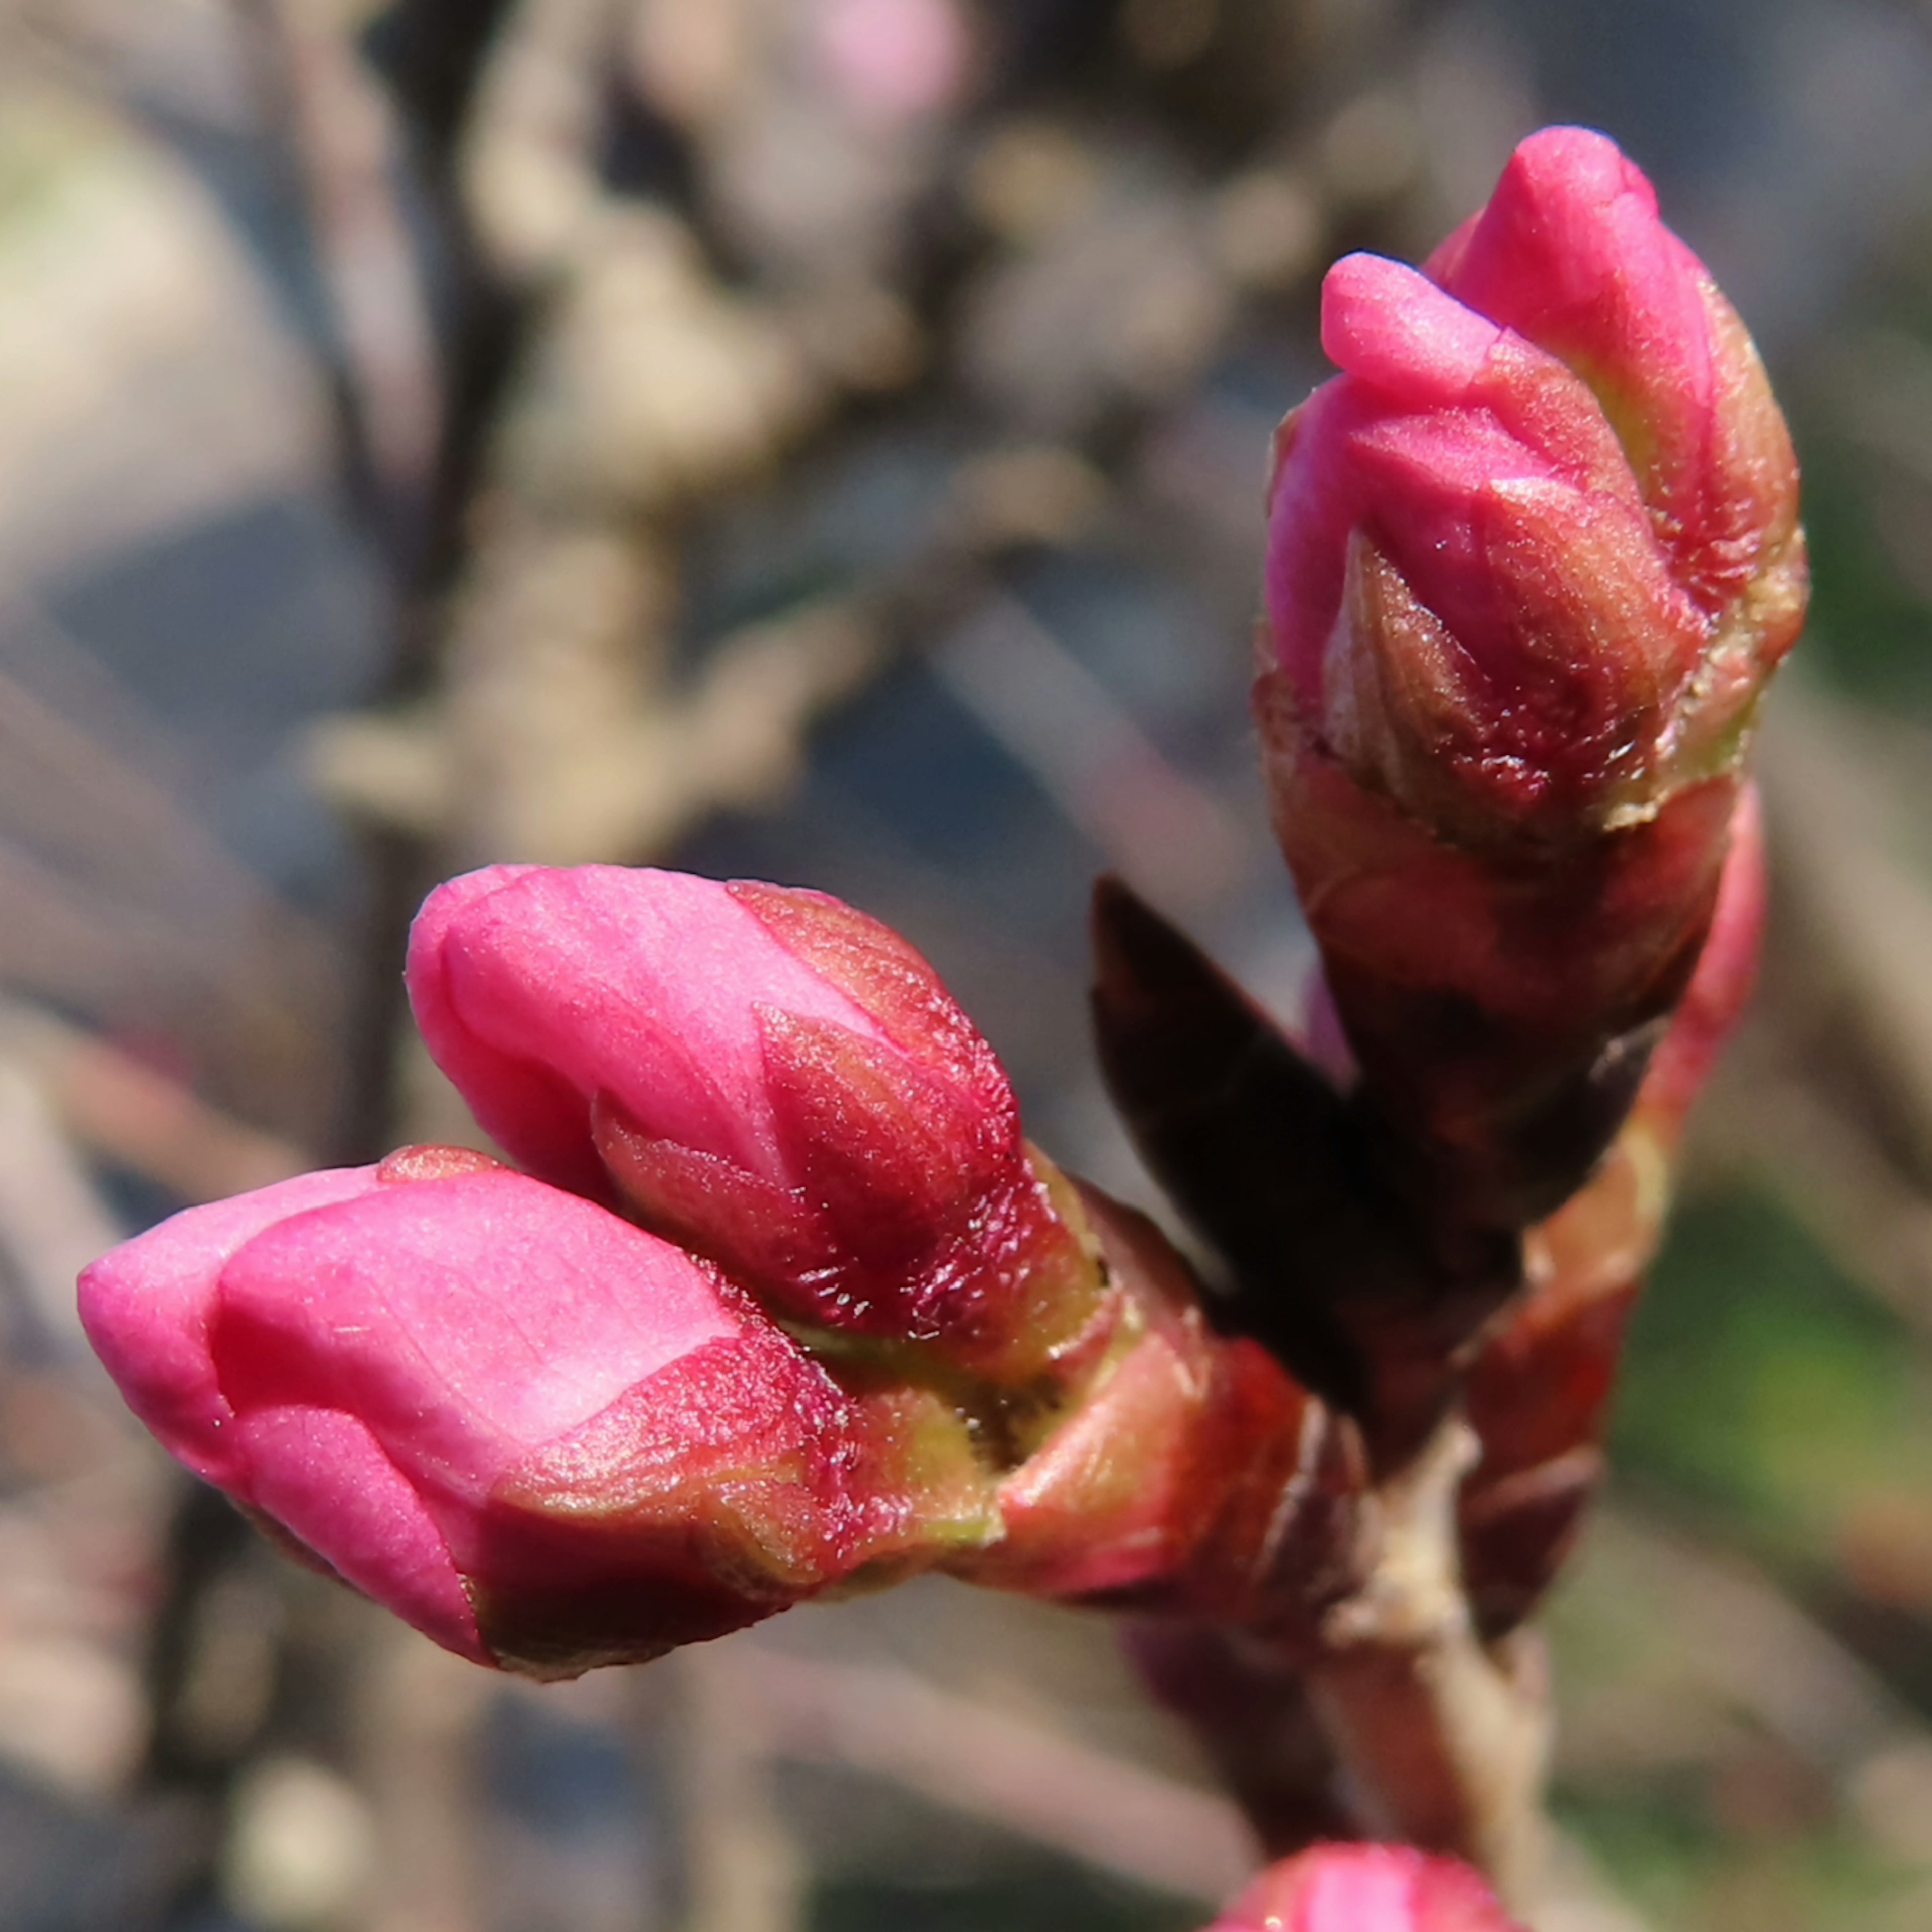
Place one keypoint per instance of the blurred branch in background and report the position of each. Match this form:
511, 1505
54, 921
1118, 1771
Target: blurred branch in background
343, 153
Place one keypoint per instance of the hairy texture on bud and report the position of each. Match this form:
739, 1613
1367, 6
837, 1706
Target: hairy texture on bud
768, 1077
546, 1438
1533, 556
1366, 1888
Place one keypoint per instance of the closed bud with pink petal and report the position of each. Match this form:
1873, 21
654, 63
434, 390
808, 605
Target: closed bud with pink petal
1535, 552
1533, 556
545, 1438
771, 1079
1366, 1888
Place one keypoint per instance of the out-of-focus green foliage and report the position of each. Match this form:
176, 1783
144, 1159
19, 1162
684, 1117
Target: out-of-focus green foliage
1763, 1388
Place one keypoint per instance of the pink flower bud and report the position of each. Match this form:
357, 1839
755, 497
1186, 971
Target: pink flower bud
767, 1077
545, 1438
1366, 1888
1535, 552
1533, 556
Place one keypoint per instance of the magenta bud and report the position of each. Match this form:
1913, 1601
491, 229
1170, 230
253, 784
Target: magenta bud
1533, 557
765, 1076
543, 1436
1535, 552
1366, 1888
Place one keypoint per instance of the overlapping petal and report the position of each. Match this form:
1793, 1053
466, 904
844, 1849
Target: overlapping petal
1557, 453
543, 1436
765, 1076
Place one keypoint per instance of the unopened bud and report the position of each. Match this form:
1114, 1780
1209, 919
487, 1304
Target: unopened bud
544, 1438
1533, 556
770, 1079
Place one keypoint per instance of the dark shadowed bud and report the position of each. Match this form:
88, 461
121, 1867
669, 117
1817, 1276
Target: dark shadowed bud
1538, 1394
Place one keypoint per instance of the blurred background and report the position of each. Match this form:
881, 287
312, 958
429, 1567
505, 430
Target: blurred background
822, 440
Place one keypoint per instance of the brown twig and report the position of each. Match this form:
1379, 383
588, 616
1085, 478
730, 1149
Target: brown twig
337, 128
1249, 1709
1444, 1742
141, 1119
416, 1746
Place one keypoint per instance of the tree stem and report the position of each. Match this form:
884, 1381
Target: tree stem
1443, 1742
